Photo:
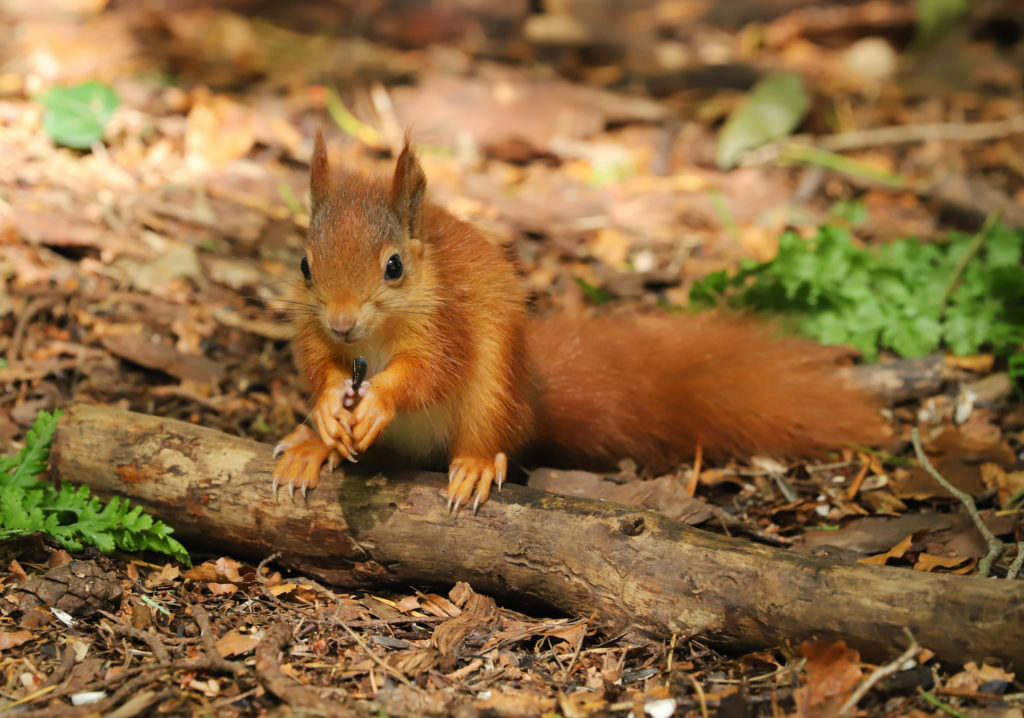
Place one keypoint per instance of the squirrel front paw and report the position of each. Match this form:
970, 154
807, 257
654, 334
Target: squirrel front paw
334, 421
469, 477
371, 417
302, 455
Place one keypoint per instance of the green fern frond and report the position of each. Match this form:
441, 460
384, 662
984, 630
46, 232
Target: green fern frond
70, 514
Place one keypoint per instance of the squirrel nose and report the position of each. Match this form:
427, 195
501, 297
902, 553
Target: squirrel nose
341, 323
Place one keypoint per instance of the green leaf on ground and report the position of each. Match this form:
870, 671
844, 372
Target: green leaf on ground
965, 294
775, 108
77, 116
70, 514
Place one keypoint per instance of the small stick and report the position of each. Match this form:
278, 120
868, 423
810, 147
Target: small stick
876, 675
1014, 569
995, 546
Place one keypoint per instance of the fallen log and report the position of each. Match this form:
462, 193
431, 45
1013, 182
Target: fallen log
627, 568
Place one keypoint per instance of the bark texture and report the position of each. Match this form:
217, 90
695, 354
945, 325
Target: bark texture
630, 569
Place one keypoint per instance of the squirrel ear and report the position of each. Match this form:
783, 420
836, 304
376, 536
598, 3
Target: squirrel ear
320, 171
407, 190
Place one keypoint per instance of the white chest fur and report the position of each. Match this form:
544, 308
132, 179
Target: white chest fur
421, 435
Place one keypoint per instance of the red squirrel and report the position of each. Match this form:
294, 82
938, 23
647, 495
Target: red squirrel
458, 370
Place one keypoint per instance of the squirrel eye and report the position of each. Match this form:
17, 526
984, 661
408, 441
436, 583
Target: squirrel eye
304, 266
393, 269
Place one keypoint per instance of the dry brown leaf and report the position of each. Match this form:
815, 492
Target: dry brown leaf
409, 603
56, 229
12, 639
160, 355
896, 551
526, 702
236, 643
1007, 483
572, 633
229, 568
223, 570
956, 454
221, 589
974, 675
832, 671
167, 575
438, 606
283, 588
930, 562
516, 116
16, 570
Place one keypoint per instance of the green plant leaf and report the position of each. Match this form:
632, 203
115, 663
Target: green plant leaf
896, 298
70, 514
776, 106
77, 116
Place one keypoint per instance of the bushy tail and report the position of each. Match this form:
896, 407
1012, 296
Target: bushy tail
650, 388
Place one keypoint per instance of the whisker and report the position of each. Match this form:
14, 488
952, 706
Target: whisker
294, 302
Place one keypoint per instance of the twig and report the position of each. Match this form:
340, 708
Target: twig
701, 698
206, 632
301, 699
858, 480
897, 135
156, 646
1015, 567
850, 704
393, 672
907, 134
995, 546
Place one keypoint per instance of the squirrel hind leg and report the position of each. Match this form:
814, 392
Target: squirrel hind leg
471, 478
302, 455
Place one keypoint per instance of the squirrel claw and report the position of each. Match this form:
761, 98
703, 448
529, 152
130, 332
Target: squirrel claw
302, 456
472, 479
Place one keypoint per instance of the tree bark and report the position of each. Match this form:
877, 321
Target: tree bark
630, 569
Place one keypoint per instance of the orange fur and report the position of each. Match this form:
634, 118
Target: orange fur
651, 388
456, 368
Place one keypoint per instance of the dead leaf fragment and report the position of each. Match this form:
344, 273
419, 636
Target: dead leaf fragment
236, 643
832, 671
896, 551
1008, 483
16, 570
930, 562
973, 675
12, 639
160, 355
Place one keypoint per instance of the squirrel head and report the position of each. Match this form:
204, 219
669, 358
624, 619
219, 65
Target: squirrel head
363, 263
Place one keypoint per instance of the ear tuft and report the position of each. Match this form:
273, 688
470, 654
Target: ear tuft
407, 189
320, 171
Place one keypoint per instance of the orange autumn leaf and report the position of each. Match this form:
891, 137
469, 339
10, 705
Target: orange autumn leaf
896, 551
930, 562
832, 671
